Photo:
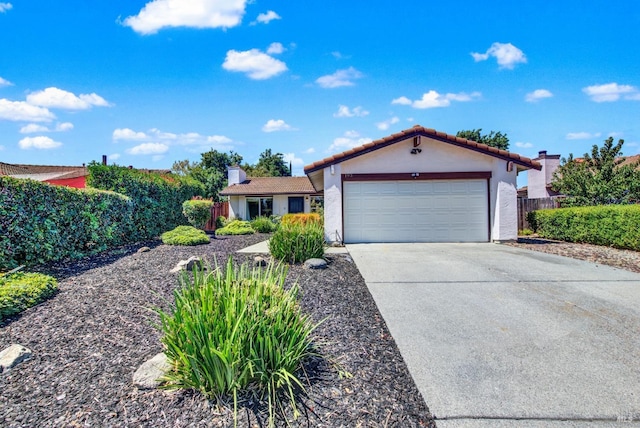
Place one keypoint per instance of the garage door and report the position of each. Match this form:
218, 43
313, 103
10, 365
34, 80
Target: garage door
416, 211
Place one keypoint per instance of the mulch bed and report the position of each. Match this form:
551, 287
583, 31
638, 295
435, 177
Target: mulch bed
622, 259
89, 339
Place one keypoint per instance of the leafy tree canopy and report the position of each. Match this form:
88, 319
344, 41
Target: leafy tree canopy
598, 178
494, 139
211, 171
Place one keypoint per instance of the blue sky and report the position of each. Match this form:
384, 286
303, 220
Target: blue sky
151, 82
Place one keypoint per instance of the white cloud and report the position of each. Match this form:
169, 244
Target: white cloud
384, 125
349, 140
506, 55
58, 98
344, 111
20, 111
339, 78
274, 125
128, 134
158, 14
611, 92
291, 157
524, 145
537, 95
148, 149
114, 156
5, 7
265, 18
433, 99
256, 64
4, 82
32, 128
402, 101
170, 138
582, 135
275, 48
156, 158
339, 55
310, 150
38, 143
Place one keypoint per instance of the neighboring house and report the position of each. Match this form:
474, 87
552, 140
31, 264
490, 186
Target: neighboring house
69, 176
539, 182
250, 197
420, 185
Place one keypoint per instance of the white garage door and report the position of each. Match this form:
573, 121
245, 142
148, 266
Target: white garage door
416, 211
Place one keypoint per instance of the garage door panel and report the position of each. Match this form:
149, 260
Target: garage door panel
416, 211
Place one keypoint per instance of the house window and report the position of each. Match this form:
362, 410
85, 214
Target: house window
317, 204
257, 207
296, 204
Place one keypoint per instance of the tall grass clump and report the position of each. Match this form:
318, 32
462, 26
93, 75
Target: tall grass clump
237, 331
296, 242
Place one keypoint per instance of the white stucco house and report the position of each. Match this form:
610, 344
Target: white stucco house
420, 185
250, 197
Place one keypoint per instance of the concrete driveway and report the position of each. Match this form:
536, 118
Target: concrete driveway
500, 336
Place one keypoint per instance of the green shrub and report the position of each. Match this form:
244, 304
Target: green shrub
21, 291
40, 223
234, 331
185, 235
609, 225
263, 225
302, 219
236, 227
295, 243
197, 212
220, 222
525, 232
157, 198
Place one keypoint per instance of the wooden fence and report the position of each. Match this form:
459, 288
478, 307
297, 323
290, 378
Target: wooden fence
526, 205
218, 209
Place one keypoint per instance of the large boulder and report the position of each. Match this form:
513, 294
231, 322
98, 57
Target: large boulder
315, 264
147, 375
12, 356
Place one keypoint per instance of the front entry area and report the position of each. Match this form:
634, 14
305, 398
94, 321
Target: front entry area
416, 211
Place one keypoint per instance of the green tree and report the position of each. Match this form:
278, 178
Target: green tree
599, 178
269, 165
493, 139
211, 171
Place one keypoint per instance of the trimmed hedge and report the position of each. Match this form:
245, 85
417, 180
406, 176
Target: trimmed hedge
185, 235
40, 223
609, 225
157, 198
21, 291
197, 212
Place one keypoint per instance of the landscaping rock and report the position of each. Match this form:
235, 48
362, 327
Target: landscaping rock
144, 249
147, 375
187, 264
259, 261
315, 264
12, 356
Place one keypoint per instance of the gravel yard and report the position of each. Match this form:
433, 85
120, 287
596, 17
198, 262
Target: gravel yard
622, 259
89, 339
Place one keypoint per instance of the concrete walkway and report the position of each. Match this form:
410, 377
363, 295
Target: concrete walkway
496, 336
263, 248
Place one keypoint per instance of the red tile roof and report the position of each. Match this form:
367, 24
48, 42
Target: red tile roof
426, 132
264, 186
42, 172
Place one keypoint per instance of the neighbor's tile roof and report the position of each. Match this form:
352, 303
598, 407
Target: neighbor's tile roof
426, 132
259, 186
42, 172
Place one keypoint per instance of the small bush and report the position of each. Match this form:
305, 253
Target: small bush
302, 219
609, 225
185, 235
236, 227
197, 212
263, 225
237, 331
220, 221
525, 232
295, 243
21, 291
